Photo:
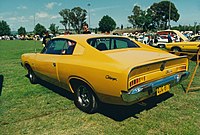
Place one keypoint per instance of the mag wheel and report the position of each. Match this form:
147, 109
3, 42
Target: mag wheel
85, 99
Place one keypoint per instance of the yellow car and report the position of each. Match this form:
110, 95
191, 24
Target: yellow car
105, 68
185, 45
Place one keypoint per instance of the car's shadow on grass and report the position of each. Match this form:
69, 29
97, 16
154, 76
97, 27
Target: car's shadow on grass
56, 89
115, 112
120, 113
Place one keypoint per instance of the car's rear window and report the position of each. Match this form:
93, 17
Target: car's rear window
110, 43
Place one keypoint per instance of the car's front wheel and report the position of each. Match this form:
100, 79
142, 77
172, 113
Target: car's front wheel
32, 77
85, 98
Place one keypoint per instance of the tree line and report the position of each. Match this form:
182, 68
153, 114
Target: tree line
156, 17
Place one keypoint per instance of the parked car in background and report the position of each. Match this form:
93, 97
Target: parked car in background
105, 68
186, 45
195, 38
189, 46
159, 42
176, 35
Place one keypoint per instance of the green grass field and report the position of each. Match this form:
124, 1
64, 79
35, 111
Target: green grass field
45, 109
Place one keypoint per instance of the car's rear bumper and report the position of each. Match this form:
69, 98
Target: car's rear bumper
146, 90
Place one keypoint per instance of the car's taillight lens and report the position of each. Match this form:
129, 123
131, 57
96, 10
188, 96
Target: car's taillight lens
136, 81
181, 68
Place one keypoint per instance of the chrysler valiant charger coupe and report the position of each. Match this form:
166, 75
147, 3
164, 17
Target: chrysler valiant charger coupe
105, 68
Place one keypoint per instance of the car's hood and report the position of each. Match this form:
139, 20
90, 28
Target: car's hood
136, 57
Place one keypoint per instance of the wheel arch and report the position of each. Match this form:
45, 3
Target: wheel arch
75, 79
175, 47
27, 65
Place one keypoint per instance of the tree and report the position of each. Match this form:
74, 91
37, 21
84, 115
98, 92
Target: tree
77, 18
140, 18
107, 24
66, 19
160, 13
39, 29
136, 18
149, 24
131, 20
22, 31
53, 28
4, 28
187, 28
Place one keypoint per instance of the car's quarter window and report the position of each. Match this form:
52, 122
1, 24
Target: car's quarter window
59, 46
110, 43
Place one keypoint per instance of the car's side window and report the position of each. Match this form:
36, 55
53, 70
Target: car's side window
119, 43
59, 46
110, 43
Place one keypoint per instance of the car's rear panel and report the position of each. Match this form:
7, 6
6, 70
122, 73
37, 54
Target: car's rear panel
155, 71
154, 78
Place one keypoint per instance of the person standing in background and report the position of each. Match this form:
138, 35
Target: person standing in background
169, 38
46, 38
85, 29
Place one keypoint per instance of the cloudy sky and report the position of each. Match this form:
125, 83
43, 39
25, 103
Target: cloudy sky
21, 12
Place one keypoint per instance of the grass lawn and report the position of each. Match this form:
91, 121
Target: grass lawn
45, 109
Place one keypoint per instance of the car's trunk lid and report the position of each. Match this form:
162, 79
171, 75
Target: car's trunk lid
136, 57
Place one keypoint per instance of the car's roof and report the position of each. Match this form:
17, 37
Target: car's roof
85, 36
177, 32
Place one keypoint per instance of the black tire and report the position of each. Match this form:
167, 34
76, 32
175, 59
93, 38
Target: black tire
85, 99
32, 77
176, 49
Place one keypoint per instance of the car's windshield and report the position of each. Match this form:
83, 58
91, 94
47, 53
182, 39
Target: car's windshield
110, 43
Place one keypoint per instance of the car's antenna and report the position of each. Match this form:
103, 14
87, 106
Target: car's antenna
34, 34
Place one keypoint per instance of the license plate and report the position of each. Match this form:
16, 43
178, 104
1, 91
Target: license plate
162, 89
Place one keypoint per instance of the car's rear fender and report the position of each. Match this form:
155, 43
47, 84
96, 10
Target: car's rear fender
75, 80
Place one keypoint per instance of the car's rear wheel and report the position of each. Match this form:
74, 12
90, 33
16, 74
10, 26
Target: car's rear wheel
85, 98
32, 77
176, 49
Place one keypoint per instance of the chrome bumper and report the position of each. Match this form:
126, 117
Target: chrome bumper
143, 91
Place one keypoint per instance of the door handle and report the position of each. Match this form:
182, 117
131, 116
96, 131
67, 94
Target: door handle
54, 64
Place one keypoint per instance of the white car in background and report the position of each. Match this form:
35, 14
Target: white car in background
195, 38
161, 42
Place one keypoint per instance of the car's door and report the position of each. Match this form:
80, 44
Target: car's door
46, 61
189, 46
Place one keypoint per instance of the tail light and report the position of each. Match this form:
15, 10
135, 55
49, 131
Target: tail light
181, 68
136, 81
